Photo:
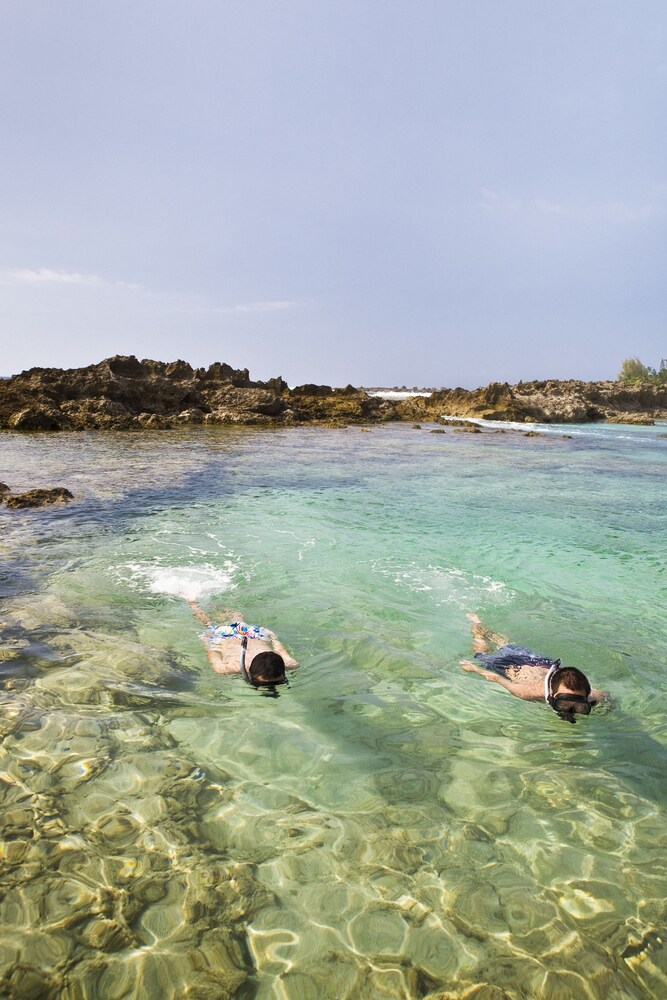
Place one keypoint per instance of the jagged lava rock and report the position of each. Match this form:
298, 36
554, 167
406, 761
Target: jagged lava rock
38, 497
551, 401
125, 393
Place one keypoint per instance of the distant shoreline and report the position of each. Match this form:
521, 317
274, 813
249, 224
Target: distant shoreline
123, 393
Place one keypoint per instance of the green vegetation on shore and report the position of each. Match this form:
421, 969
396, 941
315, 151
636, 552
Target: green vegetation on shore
633, 370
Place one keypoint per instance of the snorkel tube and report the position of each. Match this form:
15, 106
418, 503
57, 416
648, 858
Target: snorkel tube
244, 672
548, 697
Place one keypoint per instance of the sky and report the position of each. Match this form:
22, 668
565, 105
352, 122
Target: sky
376, 192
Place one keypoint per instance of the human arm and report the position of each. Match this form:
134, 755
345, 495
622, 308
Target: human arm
601, 698
290, 662
488, 675
525, 693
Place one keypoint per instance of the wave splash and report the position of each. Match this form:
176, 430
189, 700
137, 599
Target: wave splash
188, 582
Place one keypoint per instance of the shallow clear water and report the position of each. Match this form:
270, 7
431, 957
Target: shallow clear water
390, 826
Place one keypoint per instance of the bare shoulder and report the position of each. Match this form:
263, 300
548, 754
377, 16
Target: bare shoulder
225, 669
226, 662
527, 681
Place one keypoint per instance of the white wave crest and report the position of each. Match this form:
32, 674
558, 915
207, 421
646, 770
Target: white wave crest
188, 582
641, 434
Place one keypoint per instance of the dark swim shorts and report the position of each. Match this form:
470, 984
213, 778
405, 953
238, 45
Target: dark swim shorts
514, 656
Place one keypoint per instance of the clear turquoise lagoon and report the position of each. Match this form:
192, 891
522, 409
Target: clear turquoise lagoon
390, 827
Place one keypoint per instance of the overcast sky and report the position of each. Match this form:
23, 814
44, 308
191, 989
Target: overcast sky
428, 192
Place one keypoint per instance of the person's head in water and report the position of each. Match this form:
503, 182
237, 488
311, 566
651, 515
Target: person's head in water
267, 668
568, 693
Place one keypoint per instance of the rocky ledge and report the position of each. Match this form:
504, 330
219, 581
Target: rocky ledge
550, 402
124, 393
34, 498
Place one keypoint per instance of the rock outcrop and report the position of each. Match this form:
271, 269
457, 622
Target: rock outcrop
35, 498
123, 393
551, 402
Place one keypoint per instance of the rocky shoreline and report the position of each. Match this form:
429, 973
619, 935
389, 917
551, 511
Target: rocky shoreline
123, 393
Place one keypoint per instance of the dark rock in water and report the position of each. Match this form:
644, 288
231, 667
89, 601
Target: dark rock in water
439, 430
4, 488
38, 498
640, 419
108, 935
36, 418
29, 983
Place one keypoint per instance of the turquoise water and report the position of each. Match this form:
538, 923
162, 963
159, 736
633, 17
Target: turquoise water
390, 826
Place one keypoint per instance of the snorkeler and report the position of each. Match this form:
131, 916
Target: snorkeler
227, 645
531, 676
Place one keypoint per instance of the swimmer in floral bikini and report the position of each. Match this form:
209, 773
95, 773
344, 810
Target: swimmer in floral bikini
226, 647
531, 676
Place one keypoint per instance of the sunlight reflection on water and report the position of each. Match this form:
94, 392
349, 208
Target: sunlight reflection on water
390, 826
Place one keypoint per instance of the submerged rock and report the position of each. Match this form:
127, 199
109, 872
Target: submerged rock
38, 497
108, 935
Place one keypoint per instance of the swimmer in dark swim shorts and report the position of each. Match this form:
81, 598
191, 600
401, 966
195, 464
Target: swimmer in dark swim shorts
530, 675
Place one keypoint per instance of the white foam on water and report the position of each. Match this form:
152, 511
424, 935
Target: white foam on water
446, 585
193, 582
605, 432
397, 394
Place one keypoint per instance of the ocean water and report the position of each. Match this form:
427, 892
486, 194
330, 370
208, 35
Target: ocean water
390, 827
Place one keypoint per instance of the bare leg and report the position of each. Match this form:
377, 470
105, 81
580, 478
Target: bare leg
235, 616
197, 611
482, 637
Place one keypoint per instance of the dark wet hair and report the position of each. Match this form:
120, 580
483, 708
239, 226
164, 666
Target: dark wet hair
571, 678
267, 667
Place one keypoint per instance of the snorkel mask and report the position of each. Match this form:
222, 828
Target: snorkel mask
267, 690
564, 705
